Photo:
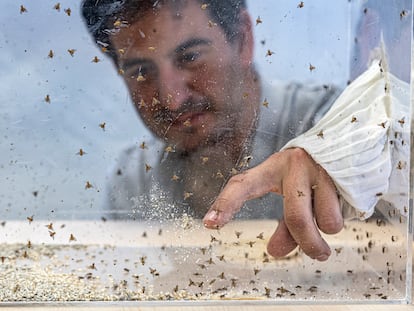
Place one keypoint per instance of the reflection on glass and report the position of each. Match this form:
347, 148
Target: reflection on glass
251, 119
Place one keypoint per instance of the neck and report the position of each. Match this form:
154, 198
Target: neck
248, 119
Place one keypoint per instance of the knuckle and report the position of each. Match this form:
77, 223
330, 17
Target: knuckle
298, 155
237, 179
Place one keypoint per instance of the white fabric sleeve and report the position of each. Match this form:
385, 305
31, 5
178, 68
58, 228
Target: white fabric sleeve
363, 142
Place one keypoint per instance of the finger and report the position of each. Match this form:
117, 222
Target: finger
327, 209
281, 243
248, 185
298, 214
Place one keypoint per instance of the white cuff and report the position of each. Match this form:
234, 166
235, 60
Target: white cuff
363, 142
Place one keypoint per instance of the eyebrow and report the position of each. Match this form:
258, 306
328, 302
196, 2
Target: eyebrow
136, 61
180, 49
191, 43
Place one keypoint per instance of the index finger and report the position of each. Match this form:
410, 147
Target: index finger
247, 185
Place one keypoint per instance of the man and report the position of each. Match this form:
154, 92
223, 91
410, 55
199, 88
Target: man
188, 67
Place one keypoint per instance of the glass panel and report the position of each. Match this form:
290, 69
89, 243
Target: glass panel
121, 127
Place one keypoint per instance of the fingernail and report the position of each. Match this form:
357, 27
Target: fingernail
322, 257
211, 216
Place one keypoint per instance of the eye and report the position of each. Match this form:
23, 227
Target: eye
188, 57
141, 72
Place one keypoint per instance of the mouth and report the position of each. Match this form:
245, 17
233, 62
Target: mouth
188, 119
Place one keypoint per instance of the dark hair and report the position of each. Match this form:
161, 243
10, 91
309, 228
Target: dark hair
103, 17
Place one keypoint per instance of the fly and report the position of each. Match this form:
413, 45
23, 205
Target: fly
256, 271
52, 234
154, 272
81, 152
23, 9
187, 195
72, 238
175, 177
311, 67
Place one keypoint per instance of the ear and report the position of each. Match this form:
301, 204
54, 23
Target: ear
245, 39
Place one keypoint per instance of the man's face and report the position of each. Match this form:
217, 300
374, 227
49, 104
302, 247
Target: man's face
185, 79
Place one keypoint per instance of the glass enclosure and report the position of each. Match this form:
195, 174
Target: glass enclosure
122, 122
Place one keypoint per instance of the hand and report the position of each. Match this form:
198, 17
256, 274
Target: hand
309, 197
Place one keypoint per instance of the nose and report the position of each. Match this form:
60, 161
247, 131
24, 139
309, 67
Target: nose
174, 89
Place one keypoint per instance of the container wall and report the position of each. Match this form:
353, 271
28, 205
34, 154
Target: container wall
124, 123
